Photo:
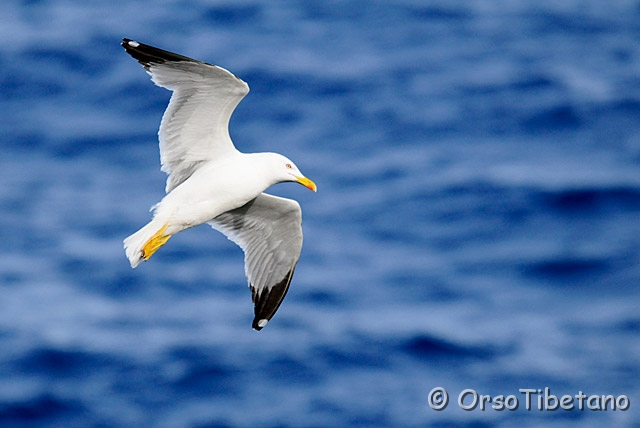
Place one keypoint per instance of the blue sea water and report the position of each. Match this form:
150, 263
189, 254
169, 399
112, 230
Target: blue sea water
476, 224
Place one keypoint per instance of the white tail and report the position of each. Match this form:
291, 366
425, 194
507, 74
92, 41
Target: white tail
134, 243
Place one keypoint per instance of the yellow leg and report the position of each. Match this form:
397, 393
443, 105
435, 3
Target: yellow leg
156, 241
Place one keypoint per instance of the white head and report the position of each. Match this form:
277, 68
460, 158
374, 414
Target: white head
285, 170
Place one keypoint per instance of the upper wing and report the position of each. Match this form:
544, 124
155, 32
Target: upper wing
269, 230
195, 126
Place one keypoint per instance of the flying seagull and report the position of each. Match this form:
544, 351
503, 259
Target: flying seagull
210, 181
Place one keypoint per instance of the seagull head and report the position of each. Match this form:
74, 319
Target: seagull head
288, 171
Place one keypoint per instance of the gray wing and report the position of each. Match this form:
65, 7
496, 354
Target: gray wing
195, 126
269, 230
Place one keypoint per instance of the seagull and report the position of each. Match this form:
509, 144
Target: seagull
210, 181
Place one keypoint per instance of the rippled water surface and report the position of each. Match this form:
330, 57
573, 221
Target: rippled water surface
476, 224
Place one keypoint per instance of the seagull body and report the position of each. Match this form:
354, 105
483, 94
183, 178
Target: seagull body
210, 181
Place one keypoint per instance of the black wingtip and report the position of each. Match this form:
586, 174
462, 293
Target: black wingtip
258, 324
146, 54
268, 301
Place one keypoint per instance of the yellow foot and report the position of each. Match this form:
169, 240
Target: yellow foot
156, 241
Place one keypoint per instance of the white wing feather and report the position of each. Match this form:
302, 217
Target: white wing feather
195, 126
269, 230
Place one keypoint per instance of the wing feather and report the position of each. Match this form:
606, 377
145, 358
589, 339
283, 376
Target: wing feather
195, 126
269, 230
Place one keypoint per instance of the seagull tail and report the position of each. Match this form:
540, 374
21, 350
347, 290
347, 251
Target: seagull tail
145, 242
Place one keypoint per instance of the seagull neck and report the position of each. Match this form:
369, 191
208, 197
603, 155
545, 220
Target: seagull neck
264, 164
261, 161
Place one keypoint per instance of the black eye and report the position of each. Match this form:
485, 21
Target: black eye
288, 166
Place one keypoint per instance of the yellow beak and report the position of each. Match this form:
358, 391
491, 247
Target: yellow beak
307, 183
